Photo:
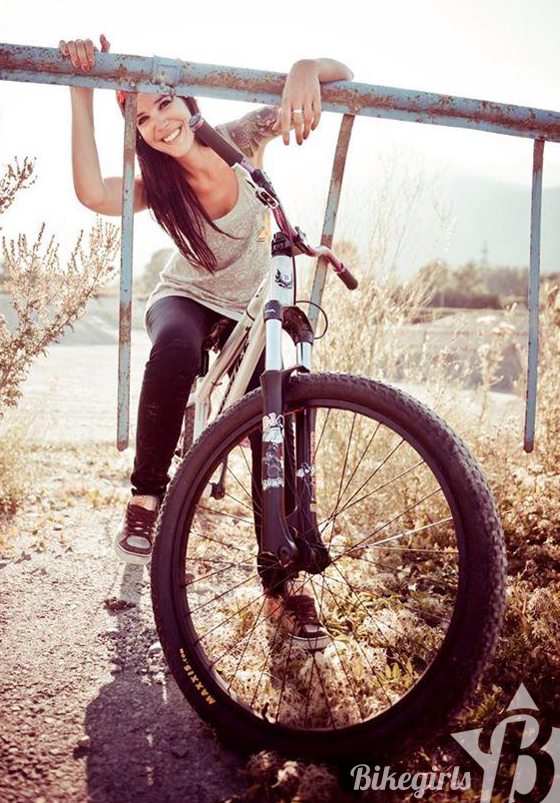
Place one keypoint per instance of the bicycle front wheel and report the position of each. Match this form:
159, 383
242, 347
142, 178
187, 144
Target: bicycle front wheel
412, 601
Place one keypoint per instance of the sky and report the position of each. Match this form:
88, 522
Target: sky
486, 49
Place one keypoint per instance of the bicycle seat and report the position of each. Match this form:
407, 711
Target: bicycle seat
212, 341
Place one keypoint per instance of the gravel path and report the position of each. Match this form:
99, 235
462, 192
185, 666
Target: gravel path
89, 712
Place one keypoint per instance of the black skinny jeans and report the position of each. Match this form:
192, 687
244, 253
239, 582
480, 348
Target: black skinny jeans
176, 326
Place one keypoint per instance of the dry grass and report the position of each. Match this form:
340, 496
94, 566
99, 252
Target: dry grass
16, 436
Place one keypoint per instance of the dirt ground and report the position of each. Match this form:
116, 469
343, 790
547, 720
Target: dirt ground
88, 709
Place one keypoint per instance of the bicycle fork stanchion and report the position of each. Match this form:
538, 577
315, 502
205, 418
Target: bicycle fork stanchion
534, 271
277, 546
291, 541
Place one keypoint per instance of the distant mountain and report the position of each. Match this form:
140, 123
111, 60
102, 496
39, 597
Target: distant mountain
498, 215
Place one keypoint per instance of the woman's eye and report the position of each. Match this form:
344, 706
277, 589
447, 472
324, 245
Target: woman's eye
164, 102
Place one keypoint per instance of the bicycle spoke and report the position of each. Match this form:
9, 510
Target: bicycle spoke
227, 515
227, 591
325, 695
393, 568
205, 559
268, 617
384, 643
333, 642
221, 543
284, 676
448, 552
386, 624
382, 527
229, 618
379, 544
349, 504
213, 574
318, 444
344, 466
362, 456
356, 641
264, 663
256, 503
375, 471
247, 642
245, 491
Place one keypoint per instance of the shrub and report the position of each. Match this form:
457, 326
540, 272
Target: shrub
46, 297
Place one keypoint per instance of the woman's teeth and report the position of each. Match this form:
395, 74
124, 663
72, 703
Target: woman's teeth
172, 136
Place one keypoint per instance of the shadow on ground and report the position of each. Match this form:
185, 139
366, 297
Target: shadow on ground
146, 743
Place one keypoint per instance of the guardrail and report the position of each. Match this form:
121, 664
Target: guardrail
161, 75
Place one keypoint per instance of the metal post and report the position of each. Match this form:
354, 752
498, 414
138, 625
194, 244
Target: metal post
331, 213
125, 304
534, 271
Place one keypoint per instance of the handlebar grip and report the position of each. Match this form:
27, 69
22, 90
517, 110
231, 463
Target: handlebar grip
348, 278
209, 136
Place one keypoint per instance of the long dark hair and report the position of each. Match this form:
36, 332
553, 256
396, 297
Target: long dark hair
174, 203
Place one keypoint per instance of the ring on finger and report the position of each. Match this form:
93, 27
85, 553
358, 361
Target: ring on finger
297, 111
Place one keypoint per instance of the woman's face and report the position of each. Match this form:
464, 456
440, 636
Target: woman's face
163, 123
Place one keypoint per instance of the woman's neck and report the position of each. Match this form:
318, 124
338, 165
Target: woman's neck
202, 166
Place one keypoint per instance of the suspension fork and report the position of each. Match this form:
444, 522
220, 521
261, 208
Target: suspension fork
277, 545
278, 530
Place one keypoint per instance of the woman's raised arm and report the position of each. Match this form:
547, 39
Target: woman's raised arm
92, 190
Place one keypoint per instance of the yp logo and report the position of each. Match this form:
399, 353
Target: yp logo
526, 771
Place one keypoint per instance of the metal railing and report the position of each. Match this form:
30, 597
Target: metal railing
160, 75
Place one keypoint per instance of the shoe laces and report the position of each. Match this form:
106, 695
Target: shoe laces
303, 608
140, 520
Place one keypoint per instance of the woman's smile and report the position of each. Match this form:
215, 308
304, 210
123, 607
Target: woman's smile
172, 136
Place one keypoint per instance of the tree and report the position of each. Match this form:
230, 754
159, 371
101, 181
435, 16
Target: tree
467, 279
436, 278
46, 297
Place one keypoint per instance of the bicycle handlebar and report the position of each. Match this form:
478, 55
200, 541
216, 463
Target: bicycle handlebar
209, 136
345, 276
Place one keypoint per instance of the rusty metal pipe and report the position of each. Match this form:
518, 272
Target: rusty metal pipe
156, 74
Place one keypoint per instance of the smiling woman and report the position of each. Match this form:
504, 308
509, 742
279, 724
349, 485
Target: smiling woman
215, 270
184, 183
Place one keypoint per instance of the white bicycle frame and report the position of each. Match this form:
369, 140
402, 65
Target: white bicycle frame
250, 332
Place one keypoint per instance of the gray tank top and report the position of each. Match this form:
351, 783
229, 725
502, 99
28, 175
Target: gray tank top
241, 264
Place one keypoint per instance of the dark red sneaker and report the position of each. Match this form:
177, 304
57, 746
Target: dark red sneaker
298, 617
134, 539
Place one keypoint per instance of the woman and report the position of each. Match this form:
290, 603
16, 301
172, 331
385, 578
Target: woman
221, 233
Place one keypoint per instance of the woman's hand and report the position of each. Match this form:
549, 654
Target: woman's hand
301, 101
81, 51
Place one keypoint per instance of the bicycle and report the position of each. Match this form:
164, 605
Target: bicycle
367, 499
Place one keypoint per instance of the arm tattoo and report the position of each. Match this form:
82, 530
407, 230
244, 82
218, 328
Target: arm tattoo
253, 130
